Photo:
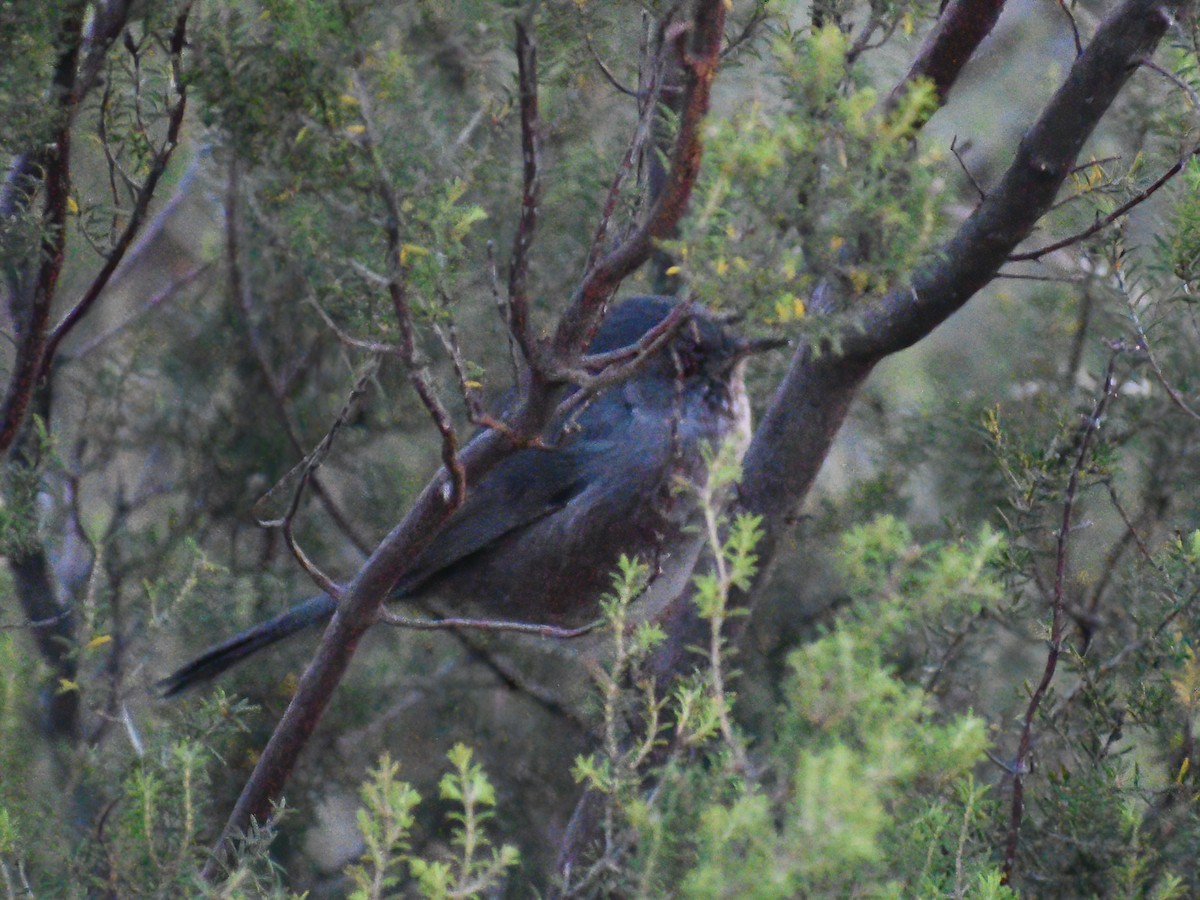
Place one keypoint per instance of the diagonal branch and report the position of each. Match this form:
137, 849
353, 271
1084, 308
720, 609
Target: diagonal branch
960, 29
145, 194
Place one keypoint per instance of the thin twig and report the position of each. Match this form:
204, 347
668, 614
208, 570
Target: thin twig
1144, 347
608, 74
1187, 89
502, 308
1062, 4
648, 100
239, 287
397, 288
1021, 764
165, 295
1103, 222
963, 165
518, 267
157, 168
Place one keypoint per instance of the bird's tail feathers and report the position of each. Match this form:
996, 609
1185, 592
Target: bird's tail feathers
214, 661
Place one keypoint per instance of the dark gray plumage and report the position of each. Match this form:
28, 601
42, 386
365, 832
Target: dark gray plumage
538, 538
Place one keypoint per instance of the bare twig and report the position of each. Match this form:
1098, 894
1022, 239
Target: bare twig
397, 287
648, 104
324, 583
1062, 4
1021, 765
1187, 89
518, 267
963, 165
749, 31
1104, 221
166, 294
699, 62
503, 309
1144, 347
240, 289
608, 74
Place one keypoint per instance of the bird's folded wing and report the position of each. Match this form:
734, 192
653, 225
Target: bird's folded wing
521, 490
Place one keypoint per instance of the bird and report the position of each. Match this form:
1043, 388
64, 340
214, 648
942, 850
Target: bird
538, 538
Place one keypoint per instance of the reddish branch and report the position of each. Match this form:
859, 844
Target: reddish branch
601, 280
54, 160
361, 601
137, 216
1021, 764
648, 105
37, 346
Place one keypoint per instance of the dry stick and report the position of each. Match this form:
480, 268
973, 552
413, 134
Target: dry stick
648, 101
397, 288
397, 552
502, 309
1104, 221
603, 277
1020, 764
518, 266
604, 69
453, 623
164, 295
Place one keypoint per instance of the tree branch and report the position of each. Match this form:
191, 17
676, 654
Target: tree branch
518, 267
960, 30
31, 313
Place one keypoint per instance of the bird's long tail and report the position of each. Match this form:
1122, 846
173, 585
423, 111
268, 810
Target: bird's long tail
314, 611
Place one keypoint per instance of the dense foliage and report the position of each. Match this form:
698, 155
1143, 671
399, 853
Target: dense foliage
973, 671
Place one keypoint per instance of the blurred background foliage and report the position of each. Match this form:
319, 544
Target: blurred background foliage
881, 682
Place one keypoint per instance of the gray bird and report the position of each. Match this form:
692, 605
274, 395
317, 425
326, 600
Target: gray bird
537, 540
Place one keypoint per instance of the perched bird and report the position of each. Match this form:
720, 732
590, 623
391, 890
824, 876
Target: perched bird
538, 538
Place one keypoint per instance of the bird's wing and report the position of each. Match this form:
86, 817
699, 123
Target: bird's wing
521, 490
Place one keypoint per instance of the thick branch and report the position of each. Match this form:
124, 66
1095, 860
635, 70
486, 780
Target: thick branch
809, 406
1045, 157
960, 29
